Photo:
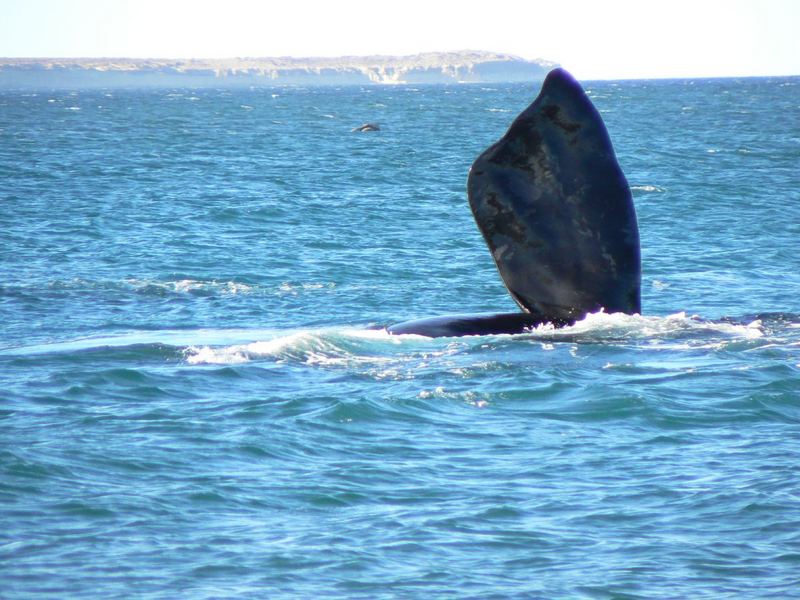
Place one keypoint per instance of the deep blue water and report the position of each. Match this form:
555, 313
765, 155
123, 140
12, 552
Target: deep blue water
195, 401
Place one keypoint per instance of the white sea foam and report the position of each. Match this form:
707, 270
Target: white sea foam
476, 399
616, 325
177, 338
192, 285
387, 356
382, 356
646, 188
325, 347
208, 355
294, 289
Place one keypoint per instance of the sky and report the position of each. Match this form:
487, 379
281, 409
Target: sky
611, 39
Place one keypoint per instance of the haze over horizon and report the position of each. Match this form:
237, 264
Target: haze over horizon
615, 40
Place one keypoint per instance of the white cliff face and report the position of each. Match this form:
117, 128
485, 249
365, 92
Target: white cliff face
438, 67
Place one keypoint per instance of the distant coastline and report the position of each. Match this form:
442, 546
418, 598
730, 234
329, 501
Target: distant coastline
432, 67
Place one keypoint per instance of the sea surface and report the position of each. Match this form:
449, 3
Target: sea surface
198, 398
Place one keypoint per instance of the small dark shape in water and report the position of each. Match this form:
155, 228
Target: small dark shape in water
367, 127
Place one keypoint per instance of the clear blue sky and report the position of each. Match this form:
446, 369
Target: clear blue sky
594, 38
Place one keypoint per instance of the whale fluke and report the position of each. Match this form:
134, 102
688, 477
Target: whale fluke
555, 209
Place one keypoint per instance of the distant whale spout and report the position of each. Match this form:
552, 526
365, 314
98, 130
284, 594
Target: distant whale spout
557, 214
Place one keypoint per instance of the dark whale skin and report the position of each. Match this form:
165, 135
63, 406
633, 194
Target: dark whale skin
472, 324
557, 214
556, 210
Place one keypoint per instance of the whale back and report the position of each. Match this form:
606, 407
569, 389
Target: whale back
556, 211
470, 324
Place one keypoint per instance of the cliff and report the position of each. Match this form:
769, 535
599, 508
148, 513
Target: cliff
434, 67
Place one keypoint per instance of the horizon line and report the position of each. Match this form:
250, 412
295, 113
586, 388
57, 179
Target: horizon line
486, 53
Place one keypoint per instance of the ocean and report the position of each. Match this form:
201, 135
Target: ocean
198, 398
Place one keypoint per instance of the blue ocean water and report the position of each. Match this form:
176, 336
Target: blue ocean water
197, 398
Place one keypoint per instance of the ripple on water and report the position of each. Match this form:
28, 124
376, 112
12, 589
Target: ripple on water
194, 403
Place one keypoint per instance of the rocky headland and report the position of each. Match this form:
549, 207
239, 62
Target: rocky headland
432, 67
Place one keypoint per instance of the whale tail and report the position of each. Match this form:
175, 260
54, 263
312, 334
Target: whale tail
556, 211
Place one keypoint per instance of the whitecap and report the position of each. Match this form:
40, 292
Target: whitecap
601, 326
322, 347
183, 286
293, 289
207, 355
471, 397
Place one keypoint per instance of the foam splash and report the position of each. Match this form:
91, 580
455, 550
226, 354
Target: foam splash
182, 286
312, 347
188, 286
476, 399
376, 348
646, 188
601, 325
294, 289
225, 288
376, 354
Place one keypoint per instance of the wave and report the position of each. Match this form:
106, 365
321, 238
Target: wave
618, 326
384, 354
164, 287
348, 346
181, 286
647, 188
313, 347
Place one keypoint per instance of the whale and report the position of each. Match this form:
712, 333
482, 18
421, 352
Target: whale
367, 127
556, 212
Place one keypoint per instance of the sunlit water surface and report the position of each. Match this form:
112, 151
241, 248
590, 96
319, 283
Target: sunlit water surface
198, 398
